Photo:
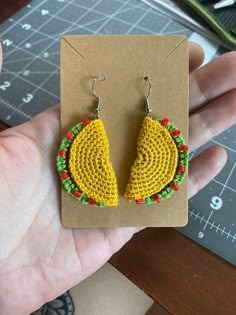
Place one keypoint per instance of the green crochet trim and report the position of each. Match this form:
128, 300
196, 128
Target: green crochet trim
62, 166
167, 192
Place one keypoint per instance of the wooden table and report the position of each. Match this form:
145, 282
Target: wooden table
180, 275
9, 7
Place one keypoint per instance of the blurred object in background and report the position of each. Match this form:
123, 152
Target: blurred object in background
9, 7
201, 16
223, 4
221, 20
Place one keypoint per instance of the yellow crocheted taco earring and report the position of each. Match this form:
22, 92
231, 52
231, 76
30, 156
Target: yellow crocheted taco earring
161, 163
83, 162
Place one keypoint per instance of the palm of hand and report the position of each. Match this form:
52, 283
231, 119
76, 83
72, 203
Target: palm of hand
39, 259
38, 251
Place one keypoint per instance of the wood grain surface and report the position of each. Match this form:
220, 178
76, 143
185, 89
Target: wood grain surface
9, 7
180, 275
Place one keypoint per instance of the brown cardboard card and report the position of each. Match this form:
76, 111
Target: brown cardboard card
124, 60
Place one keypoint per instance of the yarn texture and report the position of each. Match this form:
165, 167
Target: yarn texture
89, 164
161, 162
156, 162
84, 165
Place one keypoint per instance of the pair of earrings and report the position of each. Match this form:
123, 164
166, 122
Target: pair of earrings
86, 172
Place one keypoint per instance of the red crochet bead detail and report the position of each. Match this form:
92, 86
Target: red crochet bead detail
91, 201
183, 147
62, 153
140, 201
157, 198
68, 135
181, 169
165, 121
64, 175
77, 194
86, 121
175, 186
175, 133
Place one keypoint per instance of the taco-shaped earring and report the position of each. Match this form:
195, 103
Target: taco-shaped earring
83, 162
161, 163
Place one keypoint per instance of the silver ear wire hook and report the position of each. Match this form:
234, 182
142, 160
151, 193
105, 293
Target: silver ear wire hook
148, 106
97, 110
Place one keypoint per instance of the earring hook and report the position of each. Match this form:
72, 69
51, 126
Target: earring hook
97, 110
148, 106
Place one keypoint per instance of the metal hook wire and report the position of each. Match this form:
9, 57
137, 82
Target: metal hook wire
148, 106
97, 110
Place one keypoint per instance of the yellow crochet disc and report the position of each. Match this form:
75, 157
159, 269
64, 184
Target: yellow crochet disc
156, 162
90, 166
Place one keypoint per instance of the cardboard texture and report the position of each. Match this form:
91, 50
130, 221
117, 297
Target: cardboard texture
107, 292
124, 60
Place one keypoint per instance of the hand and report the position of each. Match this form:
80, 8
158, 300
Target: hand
39, 259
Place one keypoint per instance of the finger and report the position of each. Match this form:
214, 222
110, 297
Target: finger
212, 80
204, 168
212, 119
96, 246
47, 122
0, 57
196, 56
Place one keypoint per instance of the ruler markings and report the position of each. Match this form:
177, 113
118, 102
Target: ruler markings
31, 36
37, 86
223, 231
138, 21
24, 16
53, 38
36, 90
228, 178
33, 56
105, 16
27, 66
212, 224
11, 106
111, 17
35, 31
207, 221
224, 185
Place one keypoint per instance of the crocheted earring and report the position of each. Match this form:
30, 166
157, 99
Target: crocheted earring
83, 162
161, 163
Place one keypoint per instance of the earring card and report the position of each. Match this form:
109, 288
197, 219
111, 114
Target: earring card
125, 60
